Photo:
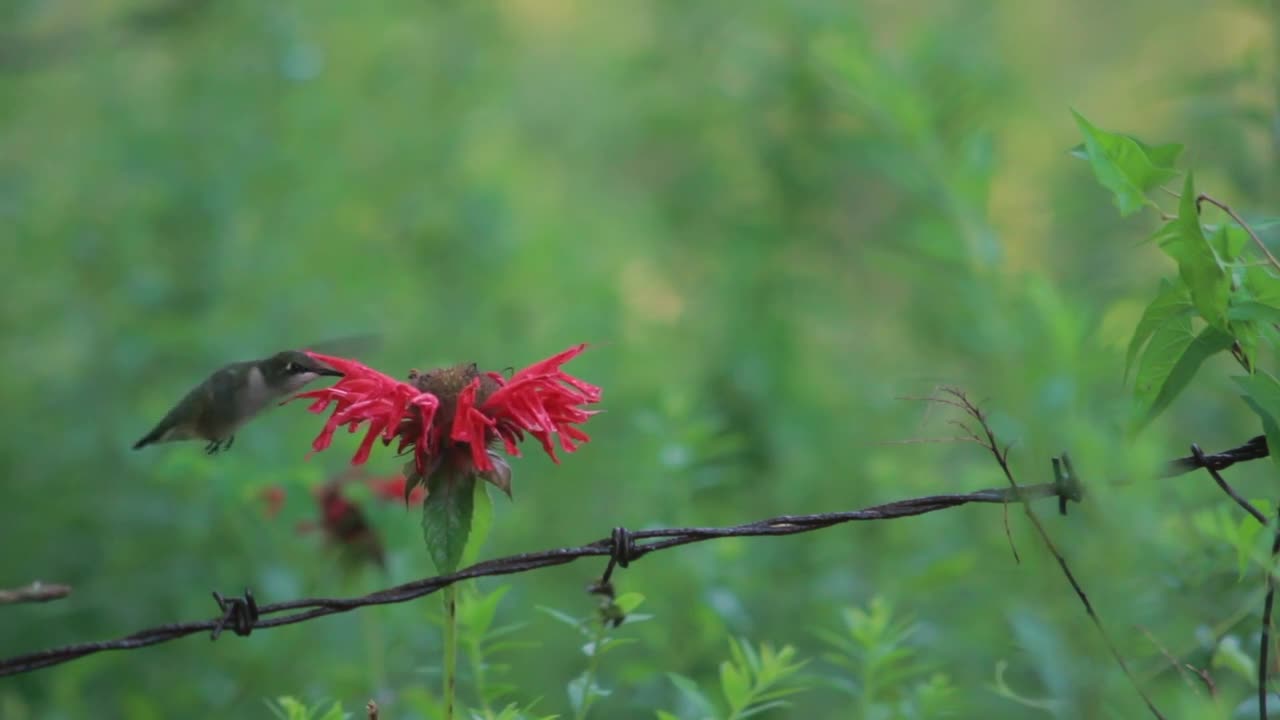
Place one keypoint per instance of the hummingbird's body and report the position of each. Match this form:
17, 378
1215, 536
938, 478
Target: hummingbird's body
233, 395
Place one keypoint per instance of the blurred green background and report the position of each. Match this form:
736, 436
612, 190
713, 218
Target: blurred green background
771, 221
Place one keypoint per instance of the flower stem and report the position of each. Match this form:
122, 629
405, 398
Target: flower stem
376, 651
593, 664
475, 653
450, 648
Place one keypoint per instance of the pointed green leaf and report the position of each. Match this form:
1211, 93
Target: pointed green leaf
1253, 312
1172, 301
1163, 157
735, 685
1228, 241
1262, 394
335, 712
1262, 285
628, 602
412, 479
500, 475
577, 689
1245, 536
1170, 361
1125, 166
689, 689
565, 618
1255, 301
1198, 265
477, 613
1229, 654
581, 694
481, 523
757, 709
446, 517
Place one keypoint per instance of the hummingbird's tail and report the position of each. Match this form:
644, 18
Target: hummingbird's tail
155, 436
147, 440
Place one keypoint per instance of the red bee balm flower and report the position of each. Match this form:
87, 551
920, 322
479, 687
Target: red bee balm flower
455, 414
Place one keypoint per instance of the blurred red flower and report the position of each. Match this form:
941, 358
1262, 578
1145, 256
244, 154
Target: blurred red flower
454, 414
273, 498
345, 526
392, 488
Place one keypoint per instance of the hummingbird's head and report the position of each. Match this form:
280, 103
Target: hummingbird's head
291, 370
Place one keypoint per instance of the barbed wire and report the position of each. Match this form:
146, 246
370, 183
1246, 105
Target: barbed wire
242, 615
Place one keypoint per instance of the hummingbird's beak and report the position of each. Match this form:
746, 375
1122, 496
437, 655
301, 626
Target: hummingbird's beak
320, 368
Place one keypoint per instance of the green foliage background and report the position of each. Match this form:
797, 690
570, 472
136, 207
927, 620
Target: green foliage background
771, 220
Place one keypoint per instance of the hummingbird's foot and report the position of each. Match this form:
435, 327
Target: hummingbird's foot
216, 446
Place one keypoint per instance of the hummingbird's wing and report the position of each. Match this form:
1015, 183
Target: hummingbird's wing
233, 395
204, 412
348, 345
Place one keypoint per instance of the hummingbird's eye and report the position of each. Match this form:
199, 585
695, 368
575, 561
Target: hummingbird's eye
292, 368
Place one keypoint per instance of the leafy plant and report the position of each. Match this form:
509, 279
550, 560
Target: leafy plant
290, 708
1222, 299
753, 680
585, 689
881, 667
481, 640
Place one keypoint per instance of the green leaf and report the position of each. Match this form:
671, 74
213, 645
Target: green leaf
1245, 536
446, 517
335, 713
664, 715
612, 643
766, 707
567, 619
1254, 311
628, 602
288, 708
1229, 654
1262, 394
577, 689
476, 615
689, 689
1256, 300
1228, 241
1183, 240
1126, 166
735, 684
1262, 284
481, 523
1171, 360
1171, 302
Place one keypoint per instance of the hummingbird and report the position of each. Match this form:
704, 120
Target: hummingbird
213, 410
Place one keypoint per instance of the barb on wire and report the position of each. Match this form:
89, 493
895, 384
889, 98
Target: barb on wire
1203, 459
634, 545
238, 613
1064, 477
1254, 449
